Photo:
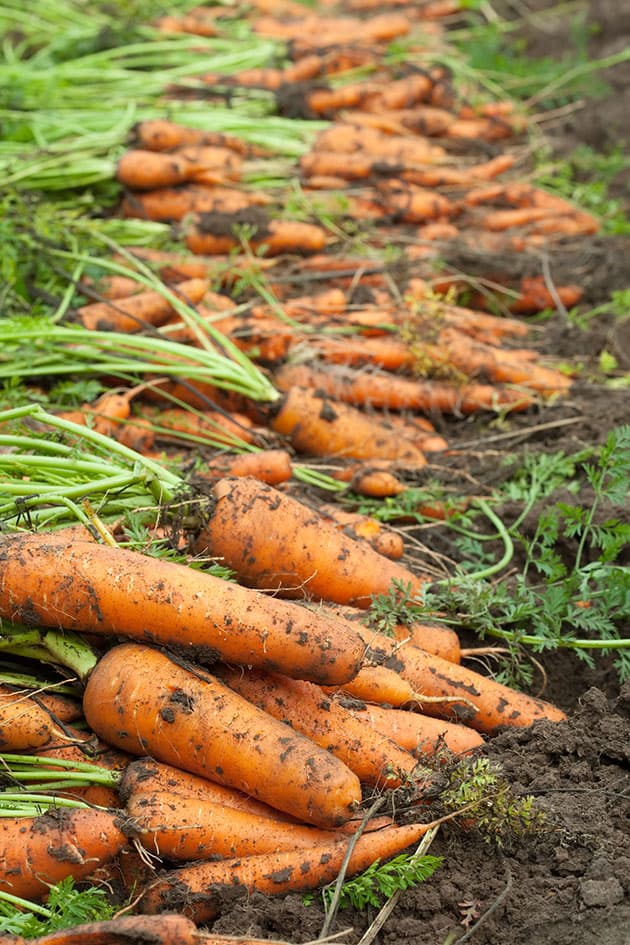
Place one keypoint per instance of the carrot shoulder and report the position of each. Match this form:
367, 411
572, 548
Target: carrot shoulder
140, 700
273, 541
93, 588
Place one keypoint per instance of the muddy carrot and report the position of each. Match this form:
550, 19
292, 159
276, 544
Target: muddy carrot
379, 389
141, 169
161, 134
110, 287
270, 466
211, 424
119, 592
38, 852
140, 700
317, 425
25, 722
378, 685
417, 733
486, 706
306, 709
384, 540
536, 296
146, 776
165, 929
184, 829
196, 891
214, 233
171, 204
273, 541
134, 312
436, 639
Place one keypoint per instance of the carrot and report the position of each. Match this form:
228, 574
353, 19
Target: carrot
486, 706
505, 219
136, 311
316, 425
165, 929
212, 233
384, 540
140, 700
161, 134
211, 424
145, 170
535, 296
197, 890
110, 591
38, 852
169, 204
146, 776
412, 204
306, 709
435, 639
270, 466
417, 733
403, 93
273, 541
182, 829
25, 722
376, 483
379, 389
377, 684
347, 138
110, 287
191, 22
61, 707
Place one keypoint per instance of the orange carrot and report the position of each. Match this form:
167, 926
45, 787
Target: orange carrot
140, 700
306, 709
379, 389
161, 134
169, 204
110, 287
211, 424
273, 541
166, 929
384, 540
379, 685
136, 311
212, 233
183, 829
376, 483
25, 722
146, 170
412, 204
197, 890
270, 466
486, 705
119, 592
319, 426
347, 138
38, 852
435, 638
417, 733
146, 776
536, 296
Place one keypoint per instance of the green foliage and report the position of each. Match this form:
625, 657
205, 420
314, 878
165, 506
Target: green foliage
585, 178
381, 880
65, 907
553, 603
479, 789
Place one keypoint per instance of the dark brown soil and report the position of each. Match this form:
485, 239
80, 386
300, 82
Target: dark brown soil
569, 883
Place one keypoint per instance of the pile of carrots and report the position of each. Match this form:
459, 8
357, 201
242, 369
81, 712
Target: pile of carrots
244, 723
250, 763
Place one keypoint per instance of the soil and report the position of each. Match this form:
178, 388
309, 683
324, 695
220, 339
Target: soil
569, 882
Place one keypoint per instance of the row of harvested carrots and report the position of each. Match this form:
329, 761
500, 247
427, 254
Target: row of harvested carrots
257, 765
